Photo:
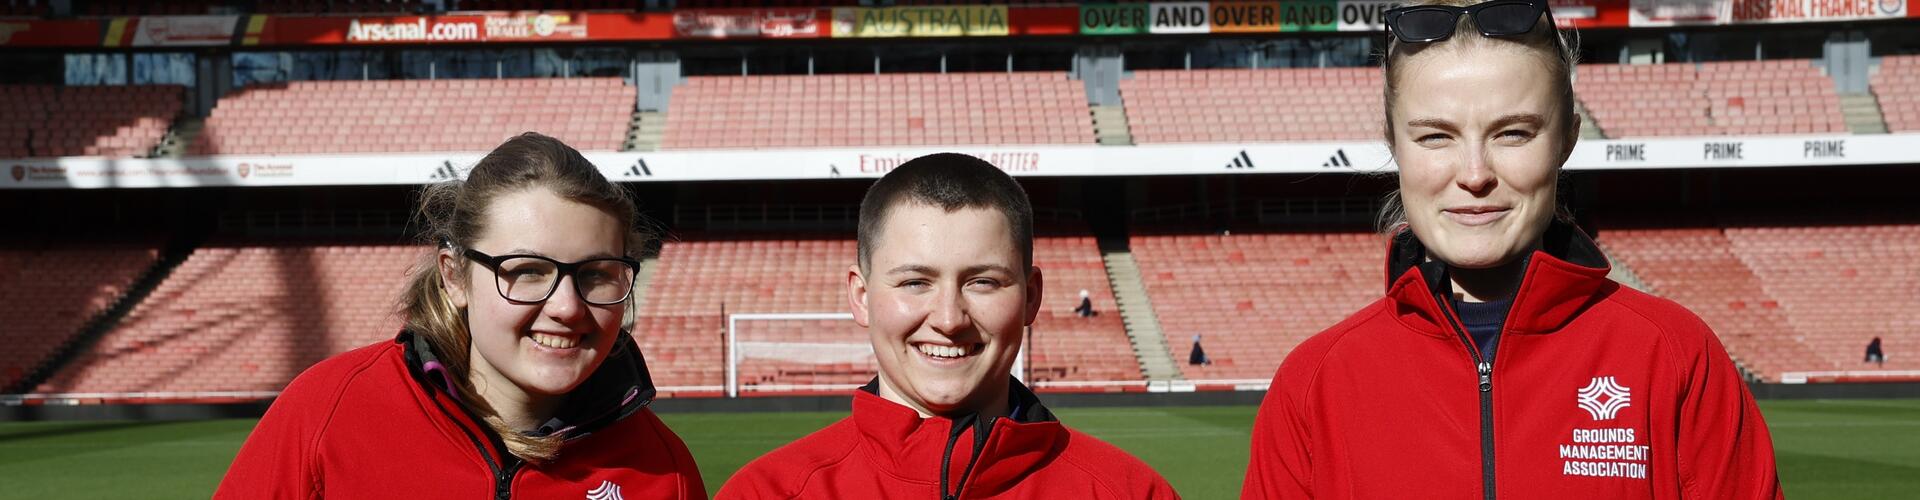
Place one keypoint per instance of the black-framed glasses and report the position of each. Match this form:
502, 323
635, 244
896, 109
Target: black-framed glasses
1433, 23
531, 279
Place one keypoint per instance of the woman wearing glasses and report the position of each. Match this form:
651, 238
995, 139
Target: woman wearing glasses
513, 378
1501, 363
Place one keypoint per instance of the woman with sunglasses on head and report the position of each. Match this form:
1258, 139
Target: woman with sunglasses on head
513, 378
1501, 363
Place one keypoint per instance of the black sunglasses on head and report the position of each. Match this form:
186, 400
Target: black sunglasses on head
1433, 23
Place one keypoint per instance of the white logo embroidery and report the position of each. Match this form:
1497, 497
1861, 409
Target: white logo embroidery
606, 491
1603, 398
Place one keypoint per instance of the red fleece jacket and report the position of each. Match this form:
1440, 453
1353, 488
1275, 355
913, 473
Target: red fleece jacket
886, 450
1596, 391
375, 423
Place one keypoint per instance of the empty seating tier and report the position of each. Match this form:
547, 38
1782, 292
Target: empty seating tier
1253, 297
1717, 98
590, 114
682, 327
110, 121
52, 292
1699, 269
1264, 105
1897, 86
878, 110
246, 318
1840, 287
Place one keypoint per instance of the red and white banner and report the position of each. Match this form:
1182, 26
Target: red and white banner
750, 23
35, 33
1022, 161
1658, 13
177, 31
466, 27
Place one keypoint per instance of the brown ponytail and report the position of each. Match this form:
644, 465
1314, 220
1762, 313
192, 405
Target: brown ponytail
452, 214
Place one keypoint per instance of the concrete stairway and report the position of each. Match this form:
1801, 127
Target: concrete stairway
1863, 114
640, 283
1589, 129
1624, 275
1136, 311
645, 130
1110, 126
183, 132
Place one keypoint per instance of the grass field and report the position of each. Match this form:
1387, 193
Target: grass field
1827, 449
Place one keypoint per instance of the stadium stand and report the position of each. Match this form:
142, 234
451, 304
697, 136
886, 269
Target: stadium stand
1897, 87
1697, 267
682, 330
110, 121
55, 289
1789, 96
1840, 287
709, 112
1260, 105
246, 317
416, 115
1253, 297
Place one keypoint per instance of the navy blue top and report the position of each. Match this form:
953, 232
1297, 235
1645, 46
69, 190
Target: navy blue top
1483, 321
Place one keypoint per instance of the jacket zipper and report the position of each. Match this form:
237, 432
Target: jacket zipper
1484, 367
503, 483
502, 475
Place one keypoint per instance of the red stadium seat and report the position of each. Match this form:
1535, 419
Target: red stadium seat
1245, 105
109, 121
237, 317
591, 114
877, 110
1718, 98
1253, 297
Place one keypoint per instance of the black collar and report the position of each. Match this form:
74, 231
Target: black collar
1561, 241
621, 386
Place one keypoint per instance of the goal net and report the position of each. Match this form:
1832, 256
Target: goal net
791, 353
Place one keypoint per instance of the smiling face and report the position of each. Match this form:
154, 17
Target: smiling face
1479, 136
533, 352
944, 300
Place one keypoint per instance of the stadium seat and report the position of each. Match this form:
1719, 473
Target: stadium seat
682, 327
1717, 98
1253, 297
106, 121
1788, 298
714, 112
1254, 105
53, 290
1896, 84
590, 114
241, 316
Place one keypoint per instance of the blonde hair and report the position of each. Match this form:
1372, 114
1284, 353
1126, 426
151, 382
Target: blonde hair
452, 214
1558, 48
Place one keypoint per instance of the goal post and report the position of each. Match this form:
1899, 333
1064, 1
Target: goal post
803, 352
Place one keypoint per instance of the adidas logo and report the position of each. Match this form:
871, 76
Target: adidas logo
638, 169
1241, 161
1338, 160
606, 491
446, 172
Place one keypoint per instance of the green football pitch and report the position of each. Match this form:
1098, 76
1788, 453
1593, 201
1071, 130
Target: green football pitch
1826, 449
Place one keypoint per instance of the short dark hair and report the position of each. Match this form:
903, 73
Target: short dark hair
951, 181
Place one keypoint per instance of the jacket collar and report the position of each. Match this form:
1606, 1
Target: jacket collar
621, 386
1566, 274
912, 448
